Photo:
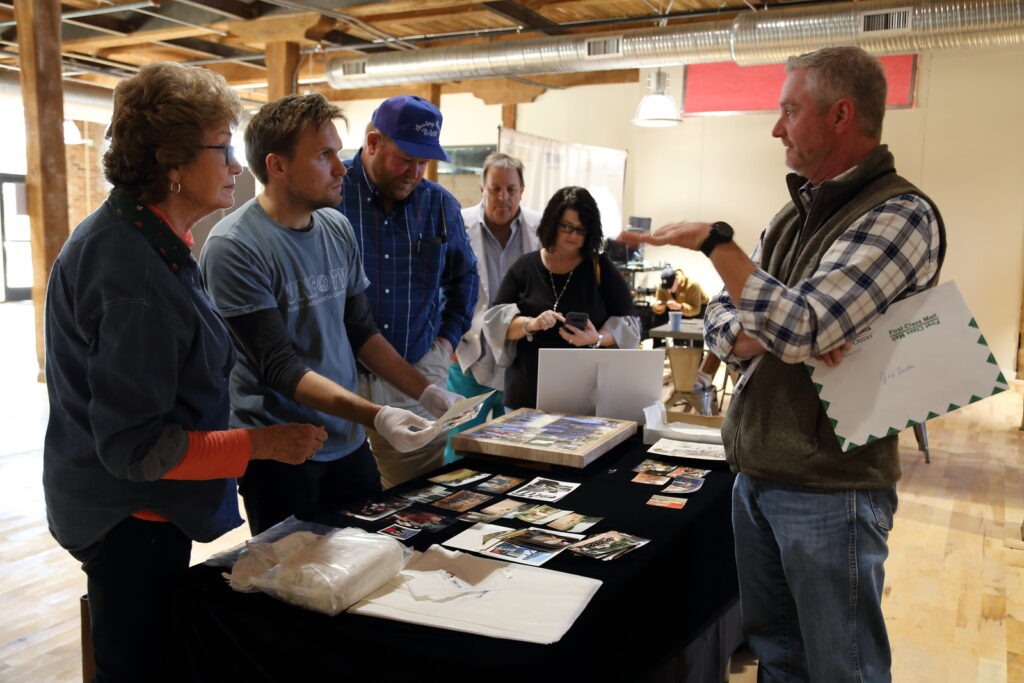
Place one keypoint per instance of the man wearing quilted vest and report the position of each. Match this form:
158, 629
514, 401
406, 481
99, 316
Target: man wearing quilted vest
812, 522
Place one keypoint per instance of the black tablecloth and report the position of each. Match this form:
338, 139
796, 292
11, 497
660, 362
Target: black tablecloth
653, 601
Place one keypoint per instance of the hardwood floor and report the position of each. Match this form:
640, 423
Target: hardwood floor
954, 596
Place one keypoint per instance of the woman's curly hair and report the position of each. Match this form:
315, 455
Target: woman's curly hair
160, 115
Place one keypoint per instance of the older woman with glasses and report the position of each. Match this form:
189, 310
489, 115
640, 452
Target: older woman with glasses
138, 459
545, 292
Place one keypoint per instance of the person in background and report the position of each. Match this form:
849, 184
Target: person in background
138, 460
567, 275
285, 272
500, 231
812, 522
679, 293
422, 271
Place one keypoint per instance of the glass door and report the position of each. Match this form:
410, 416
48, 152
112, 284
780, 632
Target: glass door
15, 238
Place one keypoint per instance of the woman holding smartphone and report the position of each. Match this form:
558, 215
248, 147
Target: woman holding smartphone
566, 295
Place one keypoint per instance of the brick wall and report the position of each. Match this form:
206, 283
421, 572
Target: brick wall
86, 185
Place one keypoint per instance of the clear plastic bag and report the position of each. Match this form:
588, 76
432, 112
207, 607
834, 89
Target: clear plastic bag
333, 572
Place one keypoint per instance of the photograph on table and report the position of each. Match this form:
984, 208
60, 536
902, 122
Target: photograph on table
655, 467
609, 545
645, 478
422, 519
574, 522
539, 514
520, 553
427, 494
459, 477
548, 490
505, 508
529, 434
461, 501
543, 538
667, 502
499, 483
378, 509
474, 516
400, 532
684, 471
683, 485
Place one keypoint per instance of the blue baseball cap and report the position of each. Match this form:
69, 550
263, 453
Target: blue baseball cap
413, 123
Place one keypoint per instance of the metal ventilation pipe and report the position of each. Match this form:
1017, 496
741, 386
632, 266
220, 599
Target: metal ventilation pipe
645, 47
879, 26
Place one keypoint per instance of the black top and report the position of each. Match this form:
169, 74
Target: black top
528, 285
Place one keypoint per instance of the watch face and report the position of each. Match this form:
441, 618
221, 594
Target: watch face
720, 233
723, 230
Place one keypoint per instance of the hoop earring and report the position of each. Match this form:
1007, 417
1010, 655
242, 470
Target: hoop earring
174, 189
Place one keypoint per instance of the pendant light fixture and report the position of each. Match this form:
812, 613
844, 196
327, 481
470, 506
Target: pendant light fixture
657, 109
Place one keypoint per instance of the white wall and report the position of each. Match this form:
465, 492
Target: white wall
963, 144
467, 121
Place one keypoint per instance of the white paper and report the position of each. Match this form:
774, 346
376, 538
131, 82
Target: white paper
924, 357
656, 428
688, 449
613, 383
476, 537
522, 603
463, 410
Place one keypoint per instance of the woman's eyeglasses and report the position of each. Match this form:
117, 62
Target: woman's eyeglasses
566, 228
229, 152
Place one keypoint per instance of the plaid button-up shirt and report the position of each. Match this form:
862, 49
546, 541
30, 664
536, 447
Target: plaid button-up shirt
422, 271
891, 250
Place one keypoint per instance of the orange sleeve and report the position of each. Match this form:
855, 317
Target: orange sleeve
213, 455
210, 455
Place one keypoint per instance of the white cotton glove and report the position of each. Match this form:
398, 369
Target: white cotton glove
404, 430
701, 381
436, 400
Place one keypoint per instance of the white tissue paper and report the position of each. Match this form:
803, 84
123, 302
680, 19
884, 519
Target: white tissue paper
460, 592
326, 573
656, 426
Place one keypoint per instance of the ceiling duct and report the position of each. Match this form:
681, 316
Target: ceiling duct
763, 37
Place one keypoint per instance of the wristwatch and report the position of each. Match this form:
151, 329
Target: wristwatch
721, 233
597, 344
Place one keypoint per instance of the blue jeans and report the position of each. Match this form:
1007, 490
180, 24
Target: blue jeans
466, 385
811, 571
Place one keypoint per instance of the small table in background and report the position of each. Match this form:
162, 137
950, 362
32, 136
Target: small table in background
690, 331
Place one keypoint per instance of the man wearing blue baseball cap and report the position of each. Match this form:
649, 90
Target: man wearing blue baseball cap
422, 271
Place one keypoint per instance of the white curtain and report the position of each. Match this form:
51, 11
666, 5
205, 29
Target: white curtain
551, 164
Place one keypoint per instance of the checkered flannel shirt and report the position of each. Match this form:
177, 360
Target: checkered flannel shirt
891, 250
422, 271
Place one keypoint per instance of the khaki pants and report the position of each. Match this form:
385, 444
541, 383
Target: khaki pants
395, 467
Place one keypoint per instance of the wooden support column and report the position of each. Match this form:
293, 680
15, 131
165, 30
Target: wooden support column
282, 69
47, 180
432, 93
508, 116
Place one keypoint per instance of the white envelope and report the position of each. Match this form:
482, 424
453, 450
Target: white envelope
924, 357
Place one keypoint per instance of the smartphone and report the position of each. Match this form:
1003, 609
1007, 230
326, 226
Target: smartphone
577, 319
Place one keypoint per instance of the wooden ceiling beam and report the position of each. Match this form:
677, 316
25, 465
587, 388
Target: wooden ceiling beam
93, 45
232, 9
406, 7
517, 14
380, 16
515, 90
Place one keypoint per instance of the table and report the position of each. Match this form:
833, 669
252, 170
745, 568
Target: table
690, 330
667, 611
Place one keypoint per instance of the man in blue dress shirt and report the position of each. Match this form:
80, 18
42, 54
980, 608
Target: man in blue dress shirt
422, 271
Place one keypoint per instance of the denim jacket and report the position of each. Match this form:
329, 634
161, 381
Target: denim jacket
136, 357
